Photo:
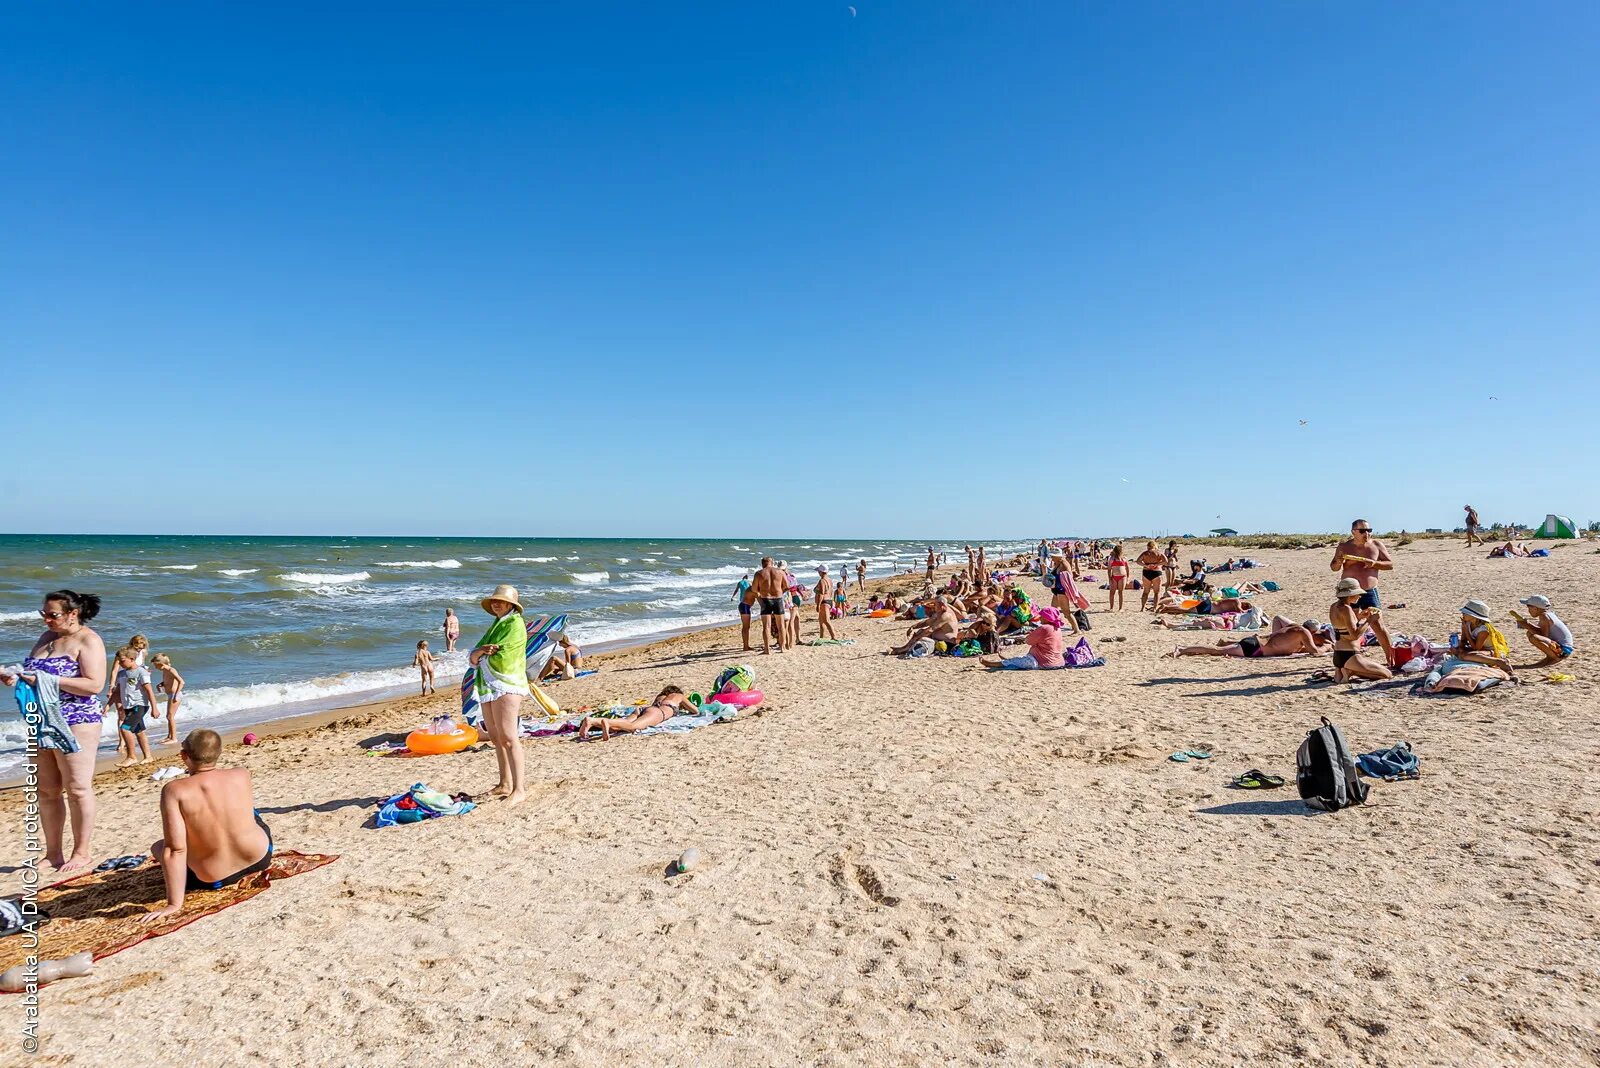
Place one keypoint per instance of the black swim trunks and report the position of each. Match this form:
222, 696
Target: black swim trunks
1251, 645
194, 882
1341, 657
772, 606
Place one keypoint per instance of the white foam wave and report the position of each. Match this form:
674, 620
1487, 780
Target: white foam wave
235, 572
590, 578
19, 617
725, 569
623, 560
529, 559
673, 602
314, 578
179, 567
448, 564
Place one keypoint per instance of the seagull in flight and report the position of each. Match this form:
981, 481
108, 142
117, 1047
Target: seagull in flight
1302, 422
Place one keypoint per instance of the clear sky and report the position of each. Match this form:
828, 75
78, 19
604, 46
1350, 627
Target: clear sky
753, 269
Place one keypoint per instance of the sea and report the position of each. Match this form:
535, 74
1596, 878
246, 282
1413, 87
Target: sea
267, 627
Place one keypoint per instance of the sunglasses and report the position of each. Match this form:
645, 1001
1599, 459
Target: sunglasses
52, 615
1363, 530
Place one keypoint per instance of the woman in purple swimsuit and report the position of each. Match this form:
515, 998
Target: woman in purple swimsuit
73, 653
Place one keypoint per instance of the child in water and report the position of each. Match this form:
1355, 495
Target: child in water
423, 662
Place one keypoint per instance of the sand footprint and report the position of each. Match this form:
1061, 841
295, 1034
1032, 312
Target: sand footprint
851, 875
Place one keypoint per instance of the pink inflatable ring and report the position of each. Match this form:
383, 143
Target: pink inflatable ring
742, 698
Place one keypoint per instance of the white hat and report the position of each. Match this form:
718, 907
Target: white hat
1476, 609
1538, 600
504, 593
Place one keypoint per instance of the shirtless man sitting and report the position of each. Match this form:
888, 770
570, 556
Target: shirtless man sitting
1361, 557
211, 834
771, 588
942, 625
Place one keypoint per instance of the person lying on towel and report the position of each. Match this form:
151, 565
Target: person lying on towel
212, 836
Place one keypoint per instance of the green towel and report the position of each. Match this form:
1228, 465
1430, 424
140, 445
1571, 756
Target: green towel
505, 670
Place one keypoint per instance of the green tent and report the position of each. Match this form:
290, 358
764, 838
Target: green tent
1557, 526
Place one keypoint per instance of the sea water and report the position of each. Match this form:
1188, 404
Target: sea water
265, 627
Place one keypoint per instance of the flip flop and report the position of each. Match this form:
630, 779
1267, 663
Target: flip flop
1248, 781
1197, 754
126, 863
1181, 758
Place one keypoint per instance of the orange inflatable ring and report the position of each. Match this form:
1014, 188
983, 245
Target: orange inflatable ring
426, 742
879, 613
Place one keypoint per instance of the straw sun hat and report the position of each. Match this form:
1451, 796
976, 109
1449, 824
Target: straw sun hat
504, 593
1476, 609
1348, 587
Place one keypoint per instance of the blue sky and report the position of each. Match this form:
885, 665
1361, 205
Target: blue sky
761, 269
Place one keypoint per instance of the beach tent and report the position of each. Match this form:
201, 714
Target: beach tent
1556, 526
1224, 532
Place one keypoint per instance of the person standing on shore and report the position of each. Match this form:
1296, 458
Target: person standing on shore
931, 561
742, 597
452, 630
76, 657
1152, 562
502, 682
861, 575
172, 686
1361, 557
770, 588
1117, 572
822, 595
1472, 527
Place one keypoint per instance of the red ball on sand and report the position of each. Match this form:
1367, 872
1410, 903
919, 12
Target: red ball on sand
250, 739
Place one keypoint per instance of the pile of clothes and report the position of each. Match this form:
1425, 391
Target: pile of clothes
419, 803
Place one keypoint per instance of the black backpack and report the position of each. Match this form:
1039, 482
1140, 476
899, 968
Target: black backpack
1326, 771
1081, 618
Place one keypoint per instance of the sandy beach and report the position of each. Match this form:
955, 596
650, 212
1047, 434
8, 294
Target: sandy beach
918, 862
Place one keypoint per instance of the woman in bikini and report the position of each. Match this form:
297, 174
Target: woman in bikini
1350, 664
1152, 563
76, 656
1117, 570
668, 703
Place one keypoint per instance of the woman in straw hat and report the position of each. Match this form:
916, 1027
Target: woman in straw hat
1350, 623
502, 682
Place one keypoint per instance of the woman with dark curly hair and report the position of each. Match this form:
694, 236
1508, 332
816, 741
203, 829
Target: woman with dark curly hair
76, 656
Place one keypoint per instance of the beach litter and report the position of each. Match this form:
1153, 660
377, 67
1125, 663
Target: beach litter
688, 860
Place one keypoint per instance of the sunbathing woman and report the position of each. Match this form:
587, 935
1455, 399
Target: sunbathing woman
668, 703
1291, 641
1350, 664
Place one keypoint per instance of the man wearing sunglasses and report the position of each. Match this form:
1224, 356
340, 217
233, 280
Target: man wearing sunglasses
1361, 557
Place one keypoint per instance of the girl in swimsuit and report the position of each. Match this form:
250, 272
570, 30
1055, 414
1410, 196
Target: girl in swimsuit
76, 656
1117, 569
1349, 624
668, 703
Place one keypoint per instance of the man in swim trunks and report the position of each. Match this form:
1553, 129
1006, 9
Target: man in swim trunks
1290, 641
941, 625
770, 587
1361, 557
211, 834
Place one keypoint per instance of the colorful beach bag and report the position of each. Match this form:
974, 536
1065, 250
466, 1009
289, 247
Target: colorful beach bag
738, 677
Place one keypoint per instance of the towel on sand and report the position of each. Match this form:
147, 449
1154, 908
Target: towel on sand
99, 911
